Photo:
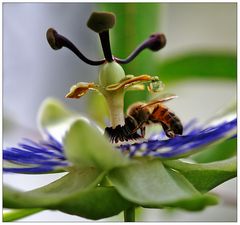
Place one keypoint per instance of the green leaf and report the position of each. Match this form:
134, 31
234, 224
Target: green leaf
206, 176
86, 146
75, 193
150, 184
19, 214
199, 65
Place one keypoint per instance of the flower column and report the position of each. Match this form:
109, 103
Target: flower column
110, 72
112, 78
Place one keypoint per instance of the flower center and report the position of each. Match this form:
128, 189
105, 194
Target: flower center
112, 78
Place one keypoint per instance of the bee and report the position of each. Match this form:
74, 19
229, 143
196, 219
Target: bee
140, 115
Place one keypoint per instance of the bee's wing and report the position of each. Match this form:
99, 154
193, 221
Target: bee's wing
160, 99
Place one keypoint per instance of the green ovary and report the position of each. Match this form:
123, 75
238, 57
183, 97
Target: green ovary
110, 73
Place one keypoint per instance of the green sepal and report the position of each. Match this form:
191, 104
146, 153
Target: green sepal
76, 193
205, 176
19, 214
52, 112
98, 203
150, 184
56, 119
85, 146
221, 151
195, 203
55, 192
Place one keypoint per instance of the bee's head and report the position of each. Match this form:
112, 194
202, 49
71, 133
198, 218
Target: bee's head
139, 112
135, 109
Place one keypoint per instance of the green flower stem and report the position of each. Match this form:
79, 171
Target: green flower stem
19, 213
115, 101
129, 215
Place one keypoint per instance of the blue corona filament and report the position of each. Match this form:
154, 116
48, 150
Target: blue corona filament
48, 155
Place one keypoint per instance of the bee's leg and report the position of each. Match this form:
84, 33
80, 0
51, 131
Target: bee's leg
143, 129
168, 131
110, 133
114, 134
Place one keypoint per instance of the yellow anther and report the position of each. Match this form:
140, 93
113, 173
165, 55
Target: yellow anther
80, 89
128, 81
